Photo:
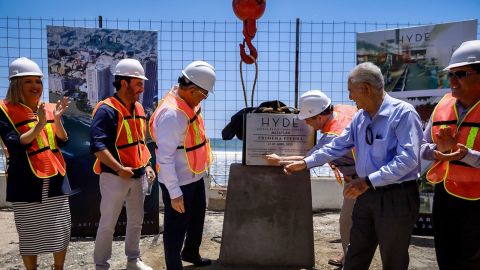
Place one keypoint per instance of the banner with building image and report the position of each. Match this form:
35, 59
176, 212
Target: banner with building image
81, 62
412, 61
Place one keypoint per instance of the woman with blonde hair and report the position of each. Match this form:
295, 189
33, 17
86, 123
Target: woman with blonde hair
37, 184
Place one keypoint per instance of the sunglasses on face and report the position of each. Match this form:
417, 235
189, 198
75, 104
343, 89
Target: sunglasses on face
203, 94
461, 74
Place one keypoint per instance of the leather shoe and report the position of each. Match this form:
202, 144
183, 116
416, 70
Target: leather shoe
336, 262
197, 260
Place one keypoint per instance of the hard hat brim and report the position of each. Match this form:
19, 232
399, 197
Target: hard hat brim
24, 74
461, 64
303, 116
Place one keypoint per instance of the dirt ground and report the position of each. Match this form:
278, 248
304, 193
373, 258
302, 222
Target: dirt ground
326, 236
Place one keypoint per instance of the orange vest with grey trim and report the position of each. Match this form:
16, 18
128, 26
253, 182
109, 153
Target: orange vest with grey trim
460, 179
343, 117
44, 156
131, 130
195, 143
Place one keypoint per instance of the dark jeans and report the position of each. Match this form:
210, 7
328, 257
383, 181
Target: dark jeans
187, 226
456, 228
384, 217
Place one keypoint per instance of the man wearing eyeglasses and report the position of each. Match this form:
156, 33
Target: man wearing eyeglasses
317, 111
450, 139
386, 134
183, 157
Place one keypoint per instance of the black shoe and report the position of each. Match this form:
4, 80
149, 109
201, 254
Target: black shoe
197, 260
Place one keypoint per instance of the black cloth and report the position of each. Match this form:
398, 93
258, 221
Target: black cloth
187, 226
103, 134
456, 230
22, 184
235, 127
383, 217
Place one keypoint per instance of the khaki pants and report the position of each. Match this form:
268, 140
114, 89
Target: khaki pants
115, 192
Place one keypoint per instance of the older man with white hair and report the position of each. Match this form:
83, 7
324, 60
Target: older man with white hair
386, 134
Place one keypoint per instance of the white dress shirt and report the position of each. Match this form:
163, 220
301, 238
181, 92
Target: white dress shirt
170, 128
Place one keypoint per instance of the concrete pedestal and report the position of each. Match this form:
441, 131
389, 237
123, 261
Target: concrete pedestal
268, 219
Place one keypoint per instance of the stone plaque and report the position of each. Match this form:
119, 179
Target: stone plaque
283, 134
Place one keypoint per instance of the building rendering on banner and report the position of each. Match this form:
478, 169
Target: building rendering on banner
56, 84
151, 85
99, 83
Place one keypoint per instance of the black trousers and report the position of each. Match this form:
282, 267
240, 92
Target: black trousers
186, 227
456, 228
384, 217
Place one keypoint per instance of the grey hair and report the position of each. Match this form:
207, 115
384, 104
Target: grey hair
367, 73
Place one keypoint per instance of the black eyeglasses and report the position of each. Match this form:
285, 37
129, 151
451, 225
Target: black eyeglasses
461, 74
369, 135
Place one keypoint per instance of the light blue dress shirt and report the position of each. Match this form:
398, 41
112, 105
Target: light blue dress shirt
345, 164
393, 156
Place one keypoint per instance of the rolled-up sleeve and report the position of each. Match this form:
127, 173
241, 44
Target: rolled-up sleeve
103, 130
170, 127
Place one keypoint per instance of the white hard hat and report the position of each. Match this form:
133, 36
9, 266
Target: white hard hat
201, 74
130, 68
467, 54
312, 103
24, 67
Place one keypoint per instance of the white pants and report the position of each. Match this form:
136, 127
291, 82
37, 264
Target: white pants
115, 191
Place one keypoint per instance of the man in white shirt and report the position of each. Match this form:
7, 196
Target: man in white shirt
183, 156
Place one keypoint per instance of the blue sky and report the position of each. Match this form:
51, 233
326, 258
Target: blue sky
275, 59
348, 10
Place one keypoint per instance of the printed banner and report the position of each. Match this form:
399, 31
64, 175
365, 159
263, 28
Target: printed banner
412, 61
81, 62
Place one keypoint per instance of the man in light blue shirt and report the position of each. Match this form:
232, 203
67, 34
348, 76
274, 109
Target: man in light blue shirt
386, 134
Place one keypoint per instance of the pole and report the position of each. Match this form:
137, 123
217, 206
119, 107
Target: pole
297, 54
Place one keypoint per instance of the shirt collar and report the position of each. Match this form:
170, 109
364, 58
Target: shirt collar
386, 107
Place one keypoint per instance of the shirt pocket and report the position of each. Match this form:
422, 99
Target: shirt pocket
379, 149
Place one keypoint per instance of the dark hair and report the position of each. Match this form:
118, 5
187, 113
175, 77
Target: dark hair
328, 110
117, 83
184, 82
476, 67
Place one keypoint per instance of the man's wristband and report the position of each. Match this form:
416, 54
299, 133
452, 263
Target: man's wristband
369, 183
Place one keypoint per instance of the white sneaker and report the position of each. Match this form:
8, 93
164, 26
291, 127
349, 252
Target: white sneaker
137, 264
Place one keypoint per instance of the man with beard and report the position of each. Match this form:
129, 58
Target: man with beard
123, 163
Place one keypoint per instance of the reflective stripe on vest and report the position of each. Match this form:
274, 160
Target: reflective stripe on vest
195, 144
343, 115
130, 140
458, 178
43, 155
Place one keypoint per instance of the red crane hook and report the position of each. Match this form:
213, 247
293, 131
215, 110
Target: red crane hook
249, 11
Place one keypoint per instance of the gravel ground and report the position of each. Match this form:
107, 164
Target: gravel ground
326, 236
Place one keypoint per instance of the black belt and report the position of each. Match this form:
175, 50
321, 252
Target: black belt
400, 185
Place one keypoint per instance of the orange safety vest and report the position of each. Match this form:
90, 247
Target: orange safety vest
195, 144
131, 129
460, 179
343, 117
152, 132
44, 156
